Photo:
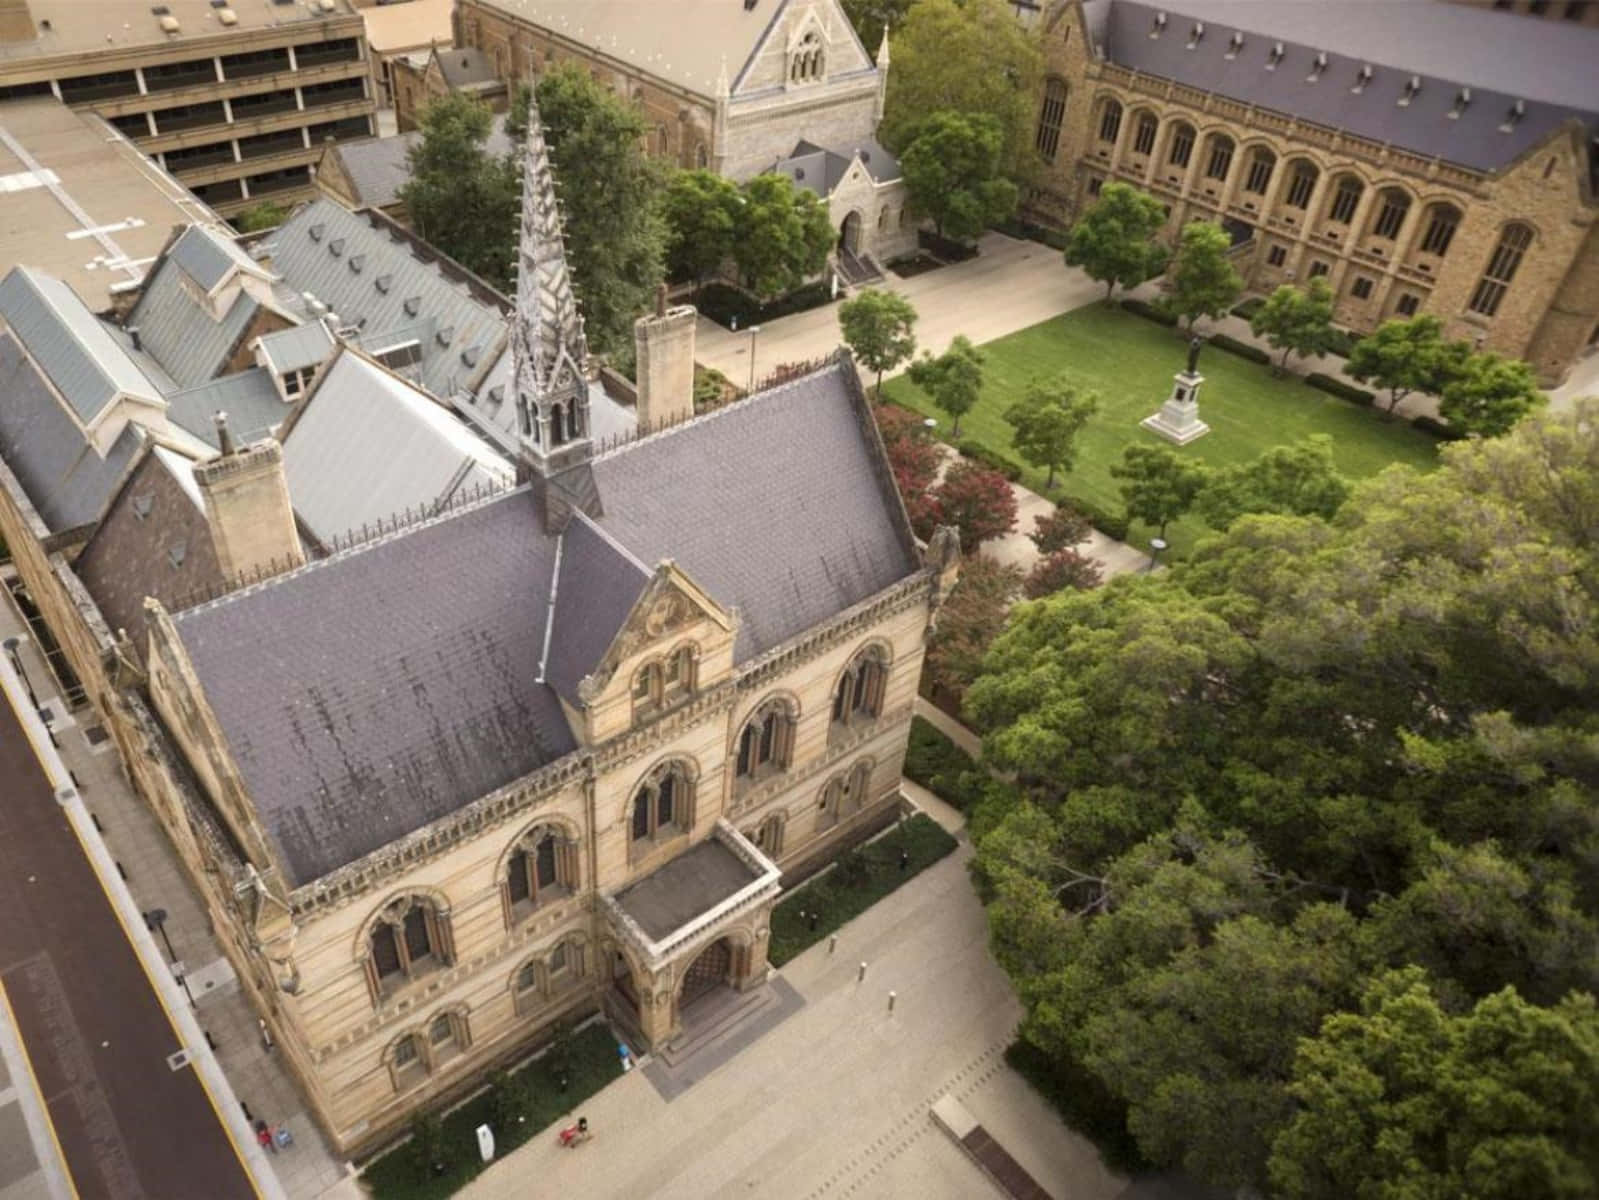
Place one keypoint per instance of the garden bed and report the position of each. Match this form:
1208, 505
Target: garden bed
912, 265
942, 767
723, 303
946, 249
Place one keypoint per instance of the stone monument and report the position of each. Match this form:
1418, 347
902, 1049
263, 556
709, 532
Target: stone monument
1178, 419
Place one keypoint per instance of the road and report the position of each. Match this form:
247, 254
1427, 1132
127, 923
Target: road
128, 1124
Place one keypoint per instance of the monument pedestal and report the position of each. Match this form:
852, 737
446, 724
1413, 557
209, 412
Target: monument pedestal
1178, 419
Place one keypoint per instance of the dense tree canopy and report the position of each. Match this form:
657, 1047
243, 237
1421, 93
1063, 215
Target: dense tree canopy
1204, 282
951, 169
1487, 394
1158, 485
1315, 752
1114, 240
1404, 356
1296, 320
701, 212
782, 236
1298, 479
460, 197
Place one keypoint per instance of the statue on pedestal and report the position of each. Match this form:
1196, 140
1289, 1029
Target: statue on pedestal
1193, 354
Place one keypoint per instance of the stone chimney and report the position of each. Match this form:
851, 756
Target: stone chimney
665, 343
16, 22
247, 505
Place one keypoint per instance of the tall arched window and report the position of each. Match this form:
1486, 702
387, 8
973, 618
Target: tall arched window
1144, 133
807, 62
1501, 270
1046, 140
663, 805
1258, 178
766, 742
1442, 221
1301, 184
410, 938
543, 866
1181, 148
407, 1062
557, 425
547, 975
663, 140
1220, 159
1110, 121
768, 835
1392, 208
702, 157
859, 694
664, 681
844, 796
1345, 199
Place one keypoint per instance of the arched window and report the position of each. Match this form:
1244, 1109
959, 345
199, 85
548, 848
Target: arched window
1144, 134
407, 1062
1181, 148
410, 938
547, 975
447, 1037
1302, 184
766, 742
1046, 140
859, 695
1110, 121
844, 796
1345, 199
663, 140
1392, 207
768, 835
1220, 159
1261, 163
807, 62
557, 425
662, 682
1442, 221
1502, 266
543, 866
662, 805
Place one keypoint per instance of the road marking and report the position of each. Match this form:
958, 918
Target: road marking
41, 1130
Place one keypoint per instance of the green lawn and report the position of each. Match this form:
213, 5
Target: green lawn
1130, 362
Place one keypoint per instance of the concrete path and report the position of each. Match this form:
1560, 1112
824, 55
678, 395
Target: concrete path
949, 727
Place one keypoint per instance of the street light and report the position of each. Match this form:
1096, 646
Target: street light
156, 919
1156, 545
754, 333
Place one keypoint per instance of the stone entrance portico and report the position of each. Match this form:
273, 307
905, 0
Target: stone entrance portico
699, 922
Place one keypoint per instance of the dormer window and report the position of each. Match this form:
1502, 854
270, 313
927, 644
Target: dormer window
1513, 116
1195, 35
1235, 44
1412, 90
807, 62
1462, 101
1159, 25
1362, 78
1274, 56
1317, 66
662, 682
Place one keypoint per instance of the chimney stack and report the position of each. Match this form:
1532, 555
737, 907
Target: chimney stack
133, 336
247, 505
665, 343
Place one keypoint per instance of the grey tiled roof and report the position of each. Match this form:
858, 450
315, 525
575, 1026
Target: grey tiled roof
67, 480
314, 251
250, 399
293, 349
207, 256
71, 345
463, 66
177, 329
819, 169
599, 583
374, 692
1551, 71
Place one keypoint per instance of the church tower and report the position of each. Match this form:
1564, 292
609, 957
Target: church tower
549, 354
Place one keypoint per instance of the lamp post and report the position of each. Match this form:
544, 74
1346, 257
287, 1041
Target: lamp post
1156, 545
755, 331
156, 919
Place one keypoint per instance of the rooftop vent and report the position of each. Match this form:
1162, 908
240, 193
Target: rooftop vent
169, 25
357, 261
326, 5
1195, 34
227, 16
1362, 78
1513, 116
469, 356
176, 553
1274, 56
316, 232
383, 283
336, 247
413, 305
1235, 44
142, 505
1317, 66
1462, 100
1158, 26
446, 335
1412, 90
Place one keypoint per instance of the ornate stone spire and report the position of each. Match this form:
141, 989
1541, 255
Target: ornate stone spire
549, 353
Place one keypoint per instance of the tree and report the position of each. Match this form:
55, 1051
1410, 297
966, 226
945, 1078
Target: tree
610, 194
701, 213
1059, 570
263, 215
1158, 484
461, 198
970, 57
1203, 280
1059, 529
783, 235
878, 327
953, 380
951, 169
1114, 241
1296, 320
1301, 479
972, 616
1404, 356
914, 458
1046, 422
873, 18
1406, 1099
1489, 394
977, 501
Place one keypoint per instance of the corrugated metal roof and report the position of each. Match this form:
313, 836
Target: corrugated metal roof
176, 326
1444, 46
67, 480
303, 346
69, 343
368, 446
313, 251
250, 398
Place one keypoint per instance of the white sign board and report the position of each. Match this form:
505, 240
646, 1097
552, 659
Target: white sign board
485, 1142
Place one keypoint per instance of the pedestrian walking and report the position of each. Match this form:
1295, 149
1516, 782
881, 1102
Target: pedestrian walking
263, 1134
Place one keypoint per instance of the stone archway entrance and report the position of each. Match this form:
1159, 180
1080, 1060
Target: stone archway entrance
849, 233
710, 970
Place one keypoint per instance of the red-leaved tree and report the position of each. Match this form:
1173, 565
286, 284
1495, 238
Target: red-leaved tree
977, 501
970, 619
1066, 568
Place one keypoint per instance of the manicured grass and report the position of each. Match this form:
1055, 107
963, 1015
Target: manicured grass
592, 1062
1130, 363
858, 880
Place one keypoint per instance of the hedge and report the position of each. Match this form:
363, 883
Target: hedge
1083, 1102
1342, 342
1243, 349
1153, 312
1112, 525
1248, 308
721, 303
1337, 387
1438, 429
992, 459
1055, 239
942, 767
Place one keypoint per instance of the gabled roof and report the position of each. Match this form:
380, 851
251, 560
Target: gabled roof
379, 167
177, 329
68, 481
208, 255
820, 170
365, 445
294, 349
599, 583
464, 67
1441, 47
73, 349
250, 399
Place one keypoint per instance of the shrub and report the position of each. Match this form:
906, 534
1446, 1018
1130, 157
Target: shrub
1060, 529
1248, 308
1061, 570
1437, 428
1337, 387
1242, 349
1112, 525
941, 766
991, 459
1154, 312
721, 302
1342, 342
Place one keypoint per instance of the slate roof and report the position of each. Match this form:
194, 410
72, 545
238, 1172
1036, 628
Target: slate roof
379, 167
374, 692
388, 288
250, 399
819, 169
71, 345
494, 416
463, 66
67, 480
1447, 46
365, 446
370, 693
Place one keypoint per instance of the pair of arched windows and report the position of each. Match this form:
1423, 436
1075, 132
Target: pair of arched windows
663, 681
807, 63
543, 866
662, 806
410, 938
859, 694
541, 979
766, 743
416, 1055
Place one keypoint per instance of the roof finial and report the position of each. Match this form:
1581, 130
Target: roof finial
882, 49
224, 438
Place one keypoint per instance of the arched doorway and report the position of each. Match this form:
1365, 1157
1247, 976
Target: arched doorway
710, 970
849, 234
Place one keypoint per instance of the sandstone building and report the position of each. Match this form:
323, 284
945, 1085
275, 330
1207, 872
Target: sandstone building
1431, 158
235, 100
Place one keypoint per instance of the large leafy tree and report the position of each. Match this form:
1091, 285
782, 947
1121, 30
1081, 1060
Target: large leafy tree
952, 172
1296, 320
969, 621
783, 235
701, 209
1204, 282
873, 18
610, 194
1406, 1099
1046, 421
1300, 479
460, 197
953, 380
879, 328
1114, 241
1404, 356
965, 56
977, 501
1158, 485
1488, 394
1345, 746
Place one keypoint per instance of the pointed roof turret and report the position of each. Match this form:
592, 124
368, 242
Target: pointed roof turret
882, 49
